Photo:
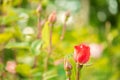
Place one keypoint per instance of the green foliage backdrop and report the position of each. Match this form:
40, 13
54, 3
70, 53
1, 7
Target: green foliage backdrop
19, 42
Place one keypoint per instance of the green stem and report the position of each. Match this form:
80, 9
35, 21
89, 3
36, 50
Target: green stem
69, 78
63, 31
68, 74
35, 62
39, 28
78, 69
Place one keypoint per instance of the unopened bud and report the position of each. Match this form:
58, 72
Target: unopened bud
67, 15
52, 17
39, 9
68, 73
67, 66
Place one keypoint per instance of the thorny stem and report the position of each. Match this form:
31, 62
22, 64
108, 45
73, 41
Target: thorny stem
68, 74
2, 27
35, 62
64, 26
49, 48
63, 31
39, 26
78, 69
69, 78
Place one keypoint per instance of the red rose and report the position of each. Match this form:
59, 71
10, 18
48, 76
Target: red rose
81, 53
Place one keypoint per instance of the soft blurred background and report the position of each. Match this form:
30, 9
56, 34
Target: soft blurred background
94, 22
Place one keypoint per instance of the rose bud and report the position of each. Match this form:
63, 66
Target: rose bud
67, 65
67, 15
52, 17
81, 53
10, 67
68, 73
39, 9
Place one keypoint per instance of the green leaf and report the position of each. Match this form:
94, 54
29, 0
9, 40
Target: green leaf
17, 33
8, 55
25, 59
18, 45
36, 72
35, 47
4, 37
23, 70
50, 74
45, 34
9, 19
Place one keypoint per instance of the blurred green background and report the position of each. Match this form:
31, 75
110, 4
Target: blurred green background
95, 22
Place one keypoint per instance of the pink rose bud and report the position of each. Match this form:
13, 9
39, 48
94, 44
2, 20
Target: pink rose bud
52, 17
39, 8
10, 67
67, 65
67, 14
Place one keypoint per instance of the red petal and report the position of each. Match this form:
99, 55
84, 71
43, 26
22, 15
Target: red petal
82, 53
